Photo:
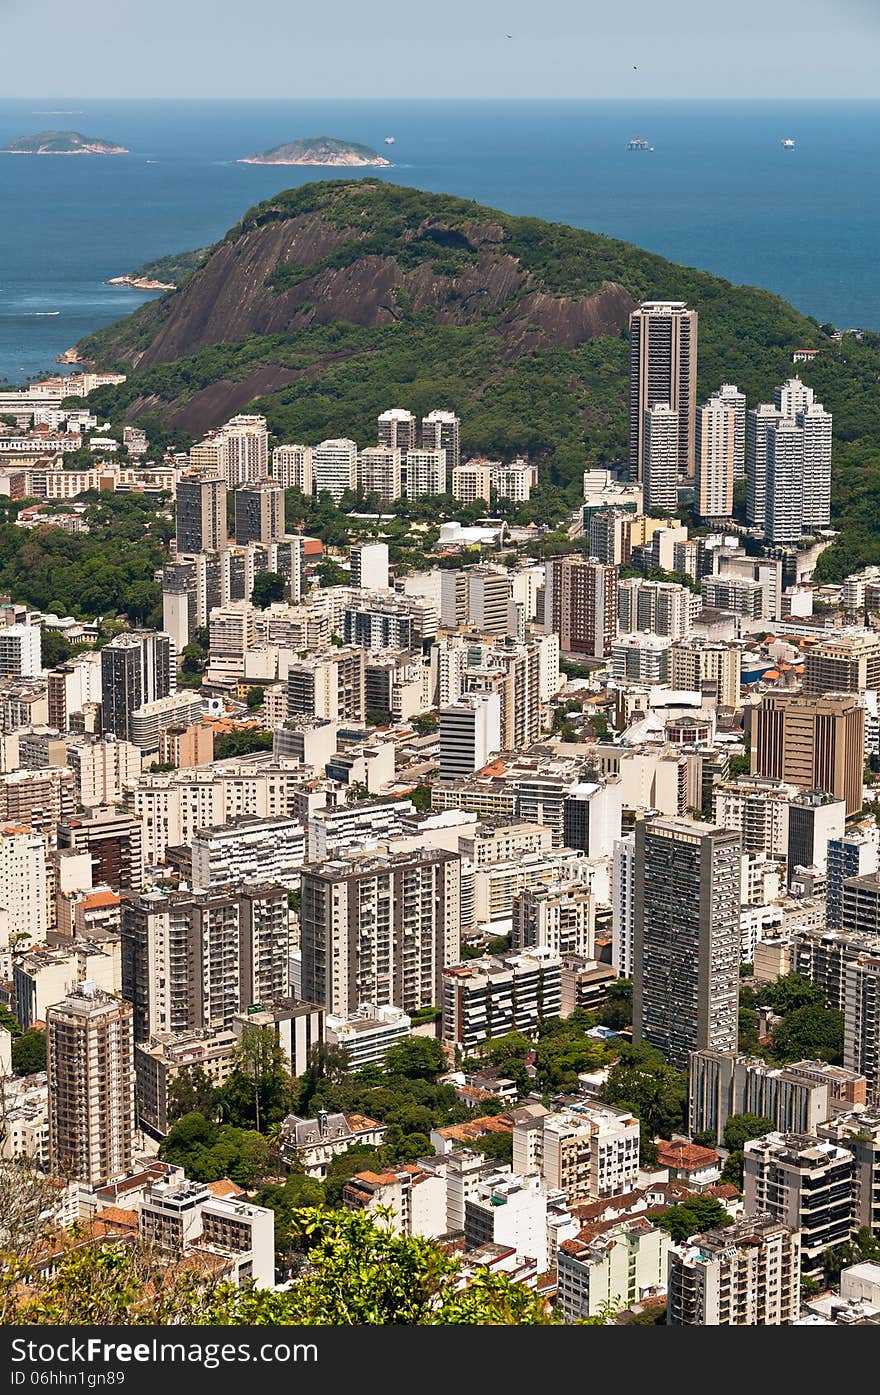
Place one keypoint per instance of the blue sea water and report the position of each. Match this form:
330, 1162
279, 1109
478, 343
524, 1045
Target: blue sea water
718, 191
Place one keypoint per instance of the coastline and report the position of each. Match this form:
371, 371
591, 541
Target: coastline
117, 150
140, 283
320, 164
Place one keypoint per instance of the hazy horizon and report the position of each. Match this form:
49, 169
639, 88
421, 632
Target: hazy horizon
569, 49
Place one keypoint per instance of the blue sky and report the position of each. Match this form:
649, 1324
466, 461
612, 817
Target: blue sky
451, 48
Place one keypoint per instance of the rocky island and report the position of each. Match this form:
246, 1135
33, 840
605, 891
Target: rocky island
62, 143
319, 150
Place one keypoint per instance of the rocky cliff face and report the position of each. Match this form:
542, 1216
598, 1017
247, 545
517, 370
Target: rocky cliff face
288, 274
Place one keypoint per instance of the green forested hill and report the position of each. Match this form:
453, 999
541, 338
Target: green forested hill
333, 301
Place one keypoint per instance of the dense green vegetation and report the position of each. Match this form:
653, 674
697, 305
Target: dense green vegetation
643, 1082
692, 1217
174, 269
107, 571
808, 1029
346, 1272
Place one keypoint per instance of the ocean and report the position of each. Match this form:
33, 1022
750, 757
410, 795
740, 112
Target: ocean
718, 191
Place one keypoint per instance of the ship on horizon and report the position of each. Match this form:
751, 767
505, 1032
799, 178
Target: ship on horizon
638, 144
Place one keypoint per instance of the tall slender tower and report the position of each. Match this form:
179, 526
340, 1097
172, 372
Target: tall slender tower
663, 370
200, 511
731, 396
90, 1061
759, 424
783, 503
716, 458
686, 943
815, 423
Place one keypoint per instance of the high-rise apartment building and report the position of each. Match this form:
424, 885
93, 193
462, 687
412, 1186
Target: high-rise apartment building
259, 512
559, 918
815, 426
623, 904
20, 651
200, 513
580, 605
663, 371
397, 430
22, 886
380, 929
849, 663
442, 431
334, 467
745, 1275
814, 817
707, 666
783, 500
492, 996
369, 566
329, 685
793, 397
806, 1184
113, 841
37, 799
686, 940
470, 732
90, 1064
292, 467
426, 472
735, 400
380, 472
136, 668
663, 607
191, 961
245, 449
861, 1020
472, 481
853, 854
717, 424
796, 1098
814, 743
759, 423
661, 445
488, 595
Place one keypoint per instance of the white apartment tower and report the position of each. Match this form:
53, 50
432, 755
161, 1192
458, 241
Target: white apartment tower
716, 458
442, 431
380, 930
759, 424
731, 396
660, 456
783, 504
426, 472
334, 467
397, 430
470, 731
369, 566
245, 450
623, 899
292, 467
380, 472
815, 423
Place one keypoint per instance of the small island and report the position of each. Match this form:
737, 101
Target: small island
318, 150
62, 143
